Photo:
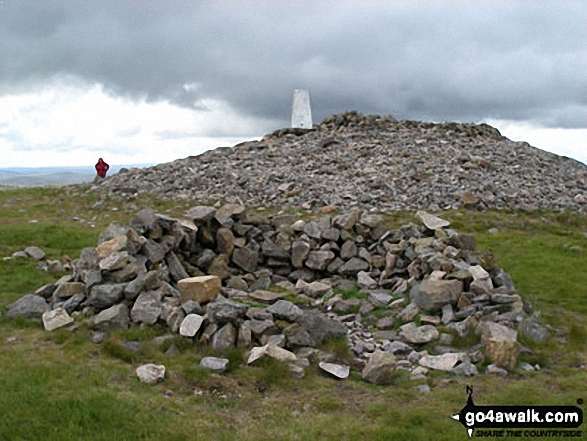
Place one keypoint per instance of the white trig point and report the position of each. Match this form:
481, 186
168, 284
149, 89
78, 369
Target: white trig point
301, 113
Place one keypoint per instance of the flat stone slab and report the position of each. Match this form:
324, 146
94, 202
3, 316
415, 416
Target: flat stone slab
432, 222
336, 370
444, 362
266, 296
55, 319
271, 351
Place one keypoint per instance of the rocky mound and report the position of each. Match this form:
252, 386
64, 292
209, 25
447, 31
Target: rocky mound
353, 160
282, 287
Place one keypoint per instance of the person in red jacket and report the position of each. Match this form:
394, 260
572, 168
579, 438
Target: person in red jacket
102, 168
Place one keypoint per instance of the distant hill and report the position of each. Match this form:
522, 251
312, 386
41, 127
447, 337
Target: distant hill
31, 176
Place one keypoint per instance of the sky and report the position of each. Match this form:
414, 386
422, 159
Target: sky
145, 81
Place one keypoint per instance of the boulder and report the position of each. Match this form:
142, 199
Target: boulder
35, 253
444, 362
430, 221
224, 339
226, 311
68, 289
104, 296
245, 259
320, 327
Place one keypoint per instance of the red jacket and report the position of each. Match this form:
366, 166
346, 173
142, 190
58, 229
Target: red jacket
102, 168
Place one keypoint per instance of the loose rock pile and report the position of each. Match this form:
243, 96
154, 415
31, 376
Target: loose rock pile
282, 287
353, 160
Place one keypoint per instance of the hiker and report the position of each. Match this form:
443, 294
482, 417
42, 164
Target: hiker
102, 168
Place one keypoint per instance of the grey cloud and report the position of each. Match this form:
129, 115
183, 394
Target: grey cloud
452, 60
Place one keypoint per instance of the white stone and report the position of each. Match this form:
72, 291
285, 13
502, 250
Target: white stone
214, 363
444, 362
190, 325
339, 371
56, 318
478, 272
151, 373
301, 112
272, 351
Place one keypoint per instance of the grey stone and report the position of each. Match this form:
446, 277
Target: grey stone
115, 261
201, 214
176, 271
408, 313
365, 281
214, 363
115, 317
28, 306
413, 334
224, 339
226, 311
320, 327
465, 369
319, 260
397, 347
353, 266
147, 308
35, 253
298, 336
73, 303
534, 330
496, 370
175, 318
245, 259
104, 296
299, 253
285, 310
433, 295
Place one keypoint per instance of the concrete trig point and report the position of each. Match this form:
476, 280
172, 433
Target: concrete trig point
301, 113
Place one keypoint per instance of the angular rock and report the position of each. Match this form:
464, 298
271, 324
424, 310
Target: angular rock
319, 260
114, 261
320, 327
28, 306
202, 289
55, 319
365, 281
245, 259
201, 214
115, 317
272, 351
431, 296
266, 296
353, 266
224, 339
226, 311
299, 253
147, 308
503, 352
285, 310
225, 242
380, 368
66, 290
104, 296
413, 334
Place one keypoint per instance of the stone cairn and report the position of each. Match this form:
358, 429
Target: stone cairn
401, 297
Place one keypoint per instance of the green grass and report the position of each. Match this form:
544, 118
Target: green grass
60, 386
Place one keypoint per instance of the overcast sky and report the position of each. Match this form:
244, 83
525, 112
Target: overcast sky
152, 81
